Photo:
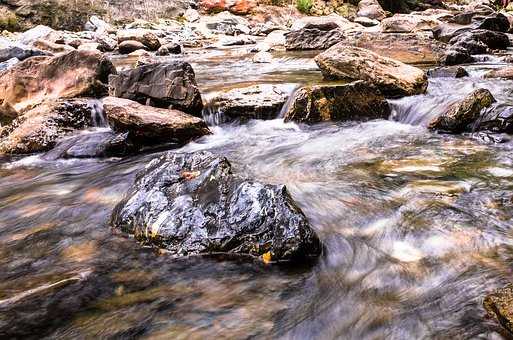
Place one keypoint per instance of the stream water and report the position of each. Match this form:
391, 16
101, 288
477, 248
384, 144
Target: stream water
417, 228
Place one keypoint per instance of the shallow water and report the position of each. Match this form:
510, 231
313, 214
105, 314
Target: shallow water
417, 228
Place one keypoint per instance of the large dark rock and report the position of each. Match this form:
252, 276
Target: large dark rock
456, 56
37, 79
148, 125
193, 204
166, 85
129, 46
499, 305
263, 101
355, 101
478, 41
496, 22
461, 116
313, 37
391, 77
41, 127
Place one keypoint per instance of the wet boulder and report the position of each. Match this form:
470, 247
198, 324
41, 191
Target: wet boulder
37, 79
499, 306
145, 37
148, 125
456, 56
461, 116
391, 77
40, 128
193, 204
165, 85
359, 101
263, 101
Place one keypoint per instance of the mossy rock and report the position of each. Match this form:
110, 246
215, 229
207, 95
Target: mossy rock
8, 20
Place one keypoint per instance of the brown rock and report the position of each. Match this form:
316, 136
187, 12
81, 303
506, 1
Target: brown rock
408, 23
37, 79
371, 9
355, 101
409, 48
391, 77
39, 128
499, 305
148, 125
145, 37
129, 46
52, 47
461, 115
504, 72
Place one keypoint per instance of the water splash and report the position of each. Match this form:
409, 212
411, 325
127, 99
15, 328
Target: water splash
98, 116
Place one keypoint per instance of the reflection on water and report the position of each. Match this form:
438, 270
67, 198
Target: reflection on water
417, 228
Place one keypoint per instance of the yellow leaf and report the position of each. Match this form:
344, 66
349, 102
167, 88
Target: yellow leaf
267, 257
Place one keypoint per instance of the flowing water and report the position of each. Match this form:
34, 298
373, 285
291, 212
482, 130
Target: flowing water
417, 228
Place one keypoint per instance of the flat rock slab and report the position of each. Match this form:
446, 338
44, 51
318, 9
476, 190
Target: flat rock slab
391, 77
148, 125
193, 204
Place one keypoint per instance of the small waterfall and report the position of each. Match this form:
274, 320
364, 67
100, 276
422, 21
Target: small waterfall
98, 117
289, 101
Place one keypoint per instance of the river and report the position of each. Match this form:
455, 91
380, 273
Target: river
417, 229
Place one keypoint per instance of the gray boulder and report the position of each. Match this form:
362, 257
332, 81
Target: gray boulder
165, 85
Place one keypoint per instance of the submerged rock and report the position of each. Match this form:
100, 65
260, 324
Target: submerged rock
461, 115
148, 125
39, 128
355, 101
392, 77
499, 305
263, 101
166, 85
37, 79
90, 144
448, 72
193, 204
